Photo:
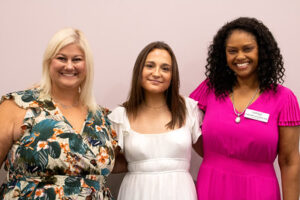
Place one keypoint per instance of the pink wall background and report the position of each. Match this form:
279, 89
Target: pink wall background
118, 29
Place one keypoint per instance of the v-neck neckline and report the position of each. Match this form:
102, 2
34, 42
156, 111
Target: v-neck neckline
66, 120
250, 105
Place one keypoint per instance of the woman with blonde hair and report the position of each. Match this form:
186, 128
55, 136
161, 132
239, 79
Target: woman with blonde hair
58, 144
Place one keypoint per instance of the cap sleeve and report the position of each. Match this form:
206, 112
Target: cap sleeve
23, 99
194, 118
200, 95
289, 114
119, 123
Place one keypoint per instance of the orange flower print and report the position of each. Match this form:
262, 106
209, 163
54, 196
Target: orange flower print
59, 191
39, 193
42, 145
102, 159
90, 123
114, 143
98, 128
57, 131
34, 104
113, 133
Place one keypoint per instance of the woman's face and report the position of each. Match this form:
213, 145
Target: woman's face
67, 68
157, 71
242, 54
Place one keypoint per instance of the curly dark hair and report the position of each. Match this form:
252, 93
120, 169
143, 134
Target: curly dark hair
270, 64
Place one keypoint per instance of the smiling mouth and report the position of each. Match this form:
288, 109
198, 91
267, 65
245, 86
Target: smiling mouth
242, 65
69, 74
155, 81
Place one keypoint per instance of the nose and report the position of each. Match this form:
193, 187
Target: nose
156, 72
240, 55
69, 64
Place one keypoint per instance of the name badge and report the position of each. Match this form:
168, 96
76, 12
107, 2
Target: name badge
256, 115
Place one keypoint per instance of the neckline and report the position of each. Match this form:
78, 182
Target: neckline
161, 133
250, 105
66, 120
138, 133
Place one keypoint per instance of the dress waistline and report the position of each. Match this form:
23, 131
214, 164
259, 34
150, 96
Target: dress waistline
238, 166
159, 165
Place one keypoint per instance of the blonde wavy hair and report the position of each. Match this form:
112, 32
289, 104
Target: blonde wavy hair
61, 39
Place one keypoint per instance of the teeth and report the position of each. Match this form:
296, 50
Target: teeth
242, 65
68, 74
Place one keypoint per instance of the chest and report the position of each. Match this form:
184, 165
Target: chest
150, 123
254, 137
172, 144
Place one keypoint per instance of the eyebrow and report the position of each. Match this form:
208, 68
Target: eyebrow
246, 45
61, 54
149, 62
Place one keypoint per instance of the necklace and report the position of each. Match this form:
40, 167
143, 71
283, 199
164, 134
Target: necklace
67, 106
155, 107
238, 114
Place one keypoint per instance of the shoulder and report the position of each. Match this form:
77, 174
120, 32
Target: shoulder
202, 91
189, 102
191, 106
282, 90
118, 115
201, 94
282, 94
23, 98
9, 108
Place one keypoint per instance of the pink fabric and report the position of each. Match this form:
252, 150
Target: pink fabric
238, 158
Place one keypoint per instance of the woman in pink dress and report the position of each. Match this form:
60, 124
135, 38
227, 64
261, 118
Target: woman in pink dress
249, 118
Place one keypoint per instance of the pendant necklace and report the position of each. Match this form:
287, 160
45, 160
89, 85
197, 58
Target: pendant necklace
238, 114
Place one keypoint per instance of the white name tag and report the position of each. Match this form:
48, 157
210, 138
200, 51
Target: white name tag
256, 115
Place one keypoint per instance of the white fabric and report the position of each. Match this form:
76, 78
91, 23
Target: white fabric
158, 164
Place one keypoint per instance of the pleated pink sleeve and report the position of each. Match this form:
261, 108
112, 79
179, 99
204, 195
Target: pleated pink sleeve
200, 95
290, 113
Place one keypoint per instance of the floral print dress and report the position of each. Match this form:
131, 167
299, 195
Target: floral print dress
51, 160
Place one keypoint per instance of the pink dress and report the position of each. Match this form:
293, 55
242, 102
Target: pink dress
238, 158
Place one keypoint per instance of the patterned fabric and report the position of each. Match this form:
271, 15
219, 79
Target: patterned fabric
53, 161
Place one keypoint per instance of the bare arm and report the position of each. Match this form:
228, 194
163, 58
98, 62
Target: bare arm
121, 163
289, 162
11, 118
198, 146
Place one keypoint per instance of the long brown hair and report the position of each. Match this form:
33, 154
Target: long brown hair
175, 102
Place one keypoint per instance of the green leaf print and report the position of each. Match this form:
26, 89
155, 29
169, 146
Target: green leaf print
72, 186
41, 158
28, 96
92, 183
76, 143
48, 105
44, 129
50, 193
54, 149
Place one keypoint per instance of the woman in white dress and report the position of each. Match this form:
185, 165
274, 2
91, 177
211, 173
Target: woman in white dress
156, 128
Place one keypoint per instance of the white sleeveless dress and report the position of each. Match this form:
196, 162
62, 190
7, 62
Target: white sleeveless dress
158, 164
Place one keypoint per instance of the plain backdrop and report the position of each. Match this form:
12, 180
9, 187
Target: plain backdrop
117, 31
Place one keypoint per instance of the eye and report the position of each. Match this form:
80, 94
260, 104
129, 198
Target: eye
248, 49
61, 58
149, 65
166, 68
77, 59
231, 51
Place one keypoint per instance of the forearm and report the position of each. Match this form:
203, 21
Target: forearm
290, 176
120, 164
198, 146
